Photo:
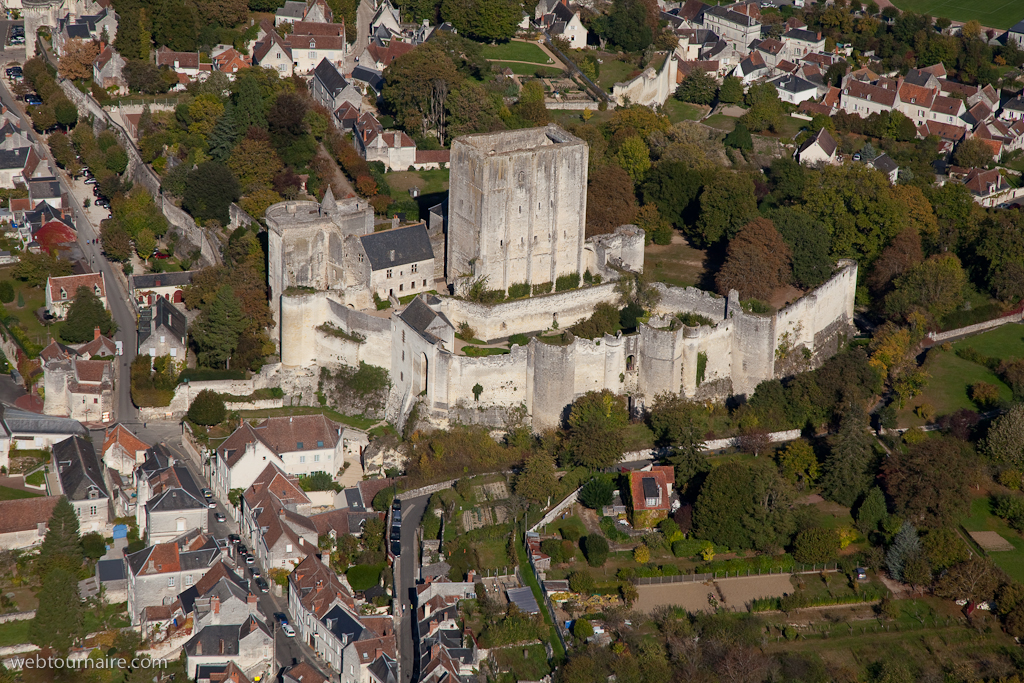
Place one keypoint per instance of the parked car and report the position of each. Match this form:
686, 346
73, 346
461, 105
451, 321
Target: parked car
220, 517
255, 571
212, 504
396, 548
208, 494
33, 100
242, 550
235, 538
288, 630
262, 584
250, 559
281, 617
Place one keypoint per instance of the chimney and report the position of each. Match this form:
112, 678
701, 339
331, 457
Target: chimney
377, 653
199, 647
251, 601
152, 565
819, 35
471, 575
391, 255
435, 651
215, 604
96, 332
157, 282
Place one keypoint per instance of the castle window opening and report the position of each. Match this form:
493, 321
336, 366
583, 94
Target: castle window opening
401, 287
424, 283
403, 336
389, 272
412, 285
630, 363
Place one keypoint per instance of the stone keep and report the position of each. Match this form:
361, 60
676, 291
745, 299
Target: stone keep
517, 207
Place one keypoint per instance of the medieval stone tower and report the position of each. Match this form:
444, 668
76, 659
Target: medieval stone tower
39, 13
517, 207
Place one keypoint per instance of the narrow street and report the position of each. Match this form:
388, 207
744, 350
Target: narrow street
412, 513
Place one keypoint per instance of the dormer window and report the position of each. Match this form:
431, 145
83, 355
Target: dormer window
299, 444
63, 293
96, 288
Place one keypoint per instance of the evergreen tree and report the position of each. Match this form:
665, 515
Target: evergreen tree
218, 327
58, 622
846, 472
85, 314
905, 545
872, 511
250, 109
224, 135
62, 544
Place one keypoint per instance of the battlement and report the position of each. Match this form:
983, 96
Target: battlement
521, 140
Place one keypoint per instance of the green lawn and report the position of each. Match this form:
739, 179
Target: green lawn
364, 576
982, 519
36, 478
614, 71
14, 633
428, 182
682, 111
721, 122
24, 316
7, 493
477, 351
517, 51
675, 264
791, 127
950, 376
520, 69
528, 663
357, 421
992, 13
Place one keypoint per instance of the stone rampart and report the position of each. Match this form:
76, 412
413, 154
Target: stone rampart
650, 88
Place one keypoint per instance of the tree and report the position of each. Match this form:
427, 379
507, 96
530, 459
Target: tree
217, 329
726, 204
596, 422
744, 505
846, 473
674, 187
739, 138
597, 493
757, 262
815, 546
634, 157
537, 479
249, 109
581, 582
678, 422
255, 163
43, 118
93, 545
63, 152
973, 153
944, 548
765, 111
413, 81
1005, 442
798, 464
697, 87
649, 219
61, 547
808, 243
485, 20
65, 112
903, 253
209, 190
145, 244
85, 314
472, 109
6, 291
207, 408
928, 482
59, 619
595, 549
628, 27
905, 545
34, 269
731, 91
145, 77
611, 201
116, 160
934, 286
872, 511
974, 579
77, 58
227, 13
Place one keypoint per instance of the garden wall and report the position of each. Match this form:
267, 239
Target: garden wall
937, 337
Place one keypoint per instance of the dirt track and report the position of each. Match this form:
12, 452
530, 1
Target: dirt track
693, 597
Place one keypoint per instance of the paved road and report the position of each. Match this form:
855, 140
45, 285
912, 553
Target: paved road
412, 513
117, 297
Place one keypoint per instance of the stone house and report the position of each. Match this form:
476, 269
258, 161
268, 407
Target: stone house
61, 291
820, 148
397, 262
379, 57
330, 88
238, 459
799, 42
1016, 34
226, 602
23, 521
564, 22
108, 70
163, 331
988, 188
865, 99
156, 574
650, 495
123, 451
794, 89
274, 520
76, 387
884, 164
738, 29
101, 26
308, 50
394, 148
1013, 110
170, 503
249, 645
313, 589
273, 53
80, 474
145, 289
183, 63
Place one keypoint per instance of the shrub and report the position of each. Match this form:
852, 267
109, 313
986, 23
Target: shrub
542, 288
582, 628
552, 547
695, 319
597, 493
519, 339
519, 290
207, 408
564, 283
382, 501
6, 291
595, 548
925, 411
93, 545
612, 531
816, 545
642, 554
571, 532
581, 582
1011, 479
985, 395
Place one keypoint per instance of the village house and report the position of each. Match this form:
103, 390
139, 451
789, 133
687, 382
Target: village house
80, 475
23, 521
163, 331
397, 262
819, 149
61, 291
156, 574
123, 451
650, 495
331, 89
108, 70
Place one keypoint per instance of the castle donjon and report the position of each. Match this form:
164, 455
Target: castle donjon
516, 214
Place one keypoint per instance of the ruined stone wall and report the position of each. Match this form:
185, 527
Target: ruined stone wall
650, 88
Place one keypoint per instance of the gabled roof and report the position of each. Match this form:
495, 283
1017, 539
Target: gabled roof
264, 47
44, 188
330, 77
99, 347
802, 35
884, 163
174, 500
297, 433
315, 42
419, 316
26, 514
14, 159
274, 484
947, 105
150, 280
318, 587
81, 476
869, 92
315, 28
303, 672
71, 283
185, 60
731, 16
652, 484
946, 131
372, 77
397, 247
223, 639
916, 94
793, 84
165, 315
823, 139
393, 51
980, 182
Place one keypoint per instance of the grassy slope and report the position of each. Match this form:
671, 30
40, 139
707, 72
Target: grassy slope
992, 13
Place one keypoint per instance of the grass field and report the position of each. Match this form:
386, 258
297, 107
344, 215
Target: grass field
7, 493
682, 111
721, 122
428, 182
530, 69
982, 519
614, 71
992, 13
357, 421
950, 375
528, 663
676, 264
517, 51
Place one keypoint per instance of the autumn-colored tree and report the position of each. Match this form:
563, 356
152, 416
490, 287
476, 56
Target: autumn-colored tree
634, 157
893, 355
903, 253
757, 261
255, 163
76, 62
610, 200
927, 482
935, 286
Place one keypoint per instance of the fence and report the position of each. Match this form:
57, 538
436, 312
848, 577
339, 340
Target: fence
730, 574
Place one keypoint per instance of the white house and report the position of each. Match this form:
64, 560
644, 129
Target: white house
735, 28
794, 89
818, 149
399, 261
61, 291
80, 474
799, 42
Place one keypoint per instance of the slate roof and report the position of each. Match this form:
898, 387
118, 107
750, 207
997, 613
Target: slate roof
45, 188
824, 140
207, 643
25, 514
384, 669
292, 8
793, 84
731, 16
398, 247
79, 469
111, 570
884, 163
150, 280
14, 158
343, 624
176, 499
372, 77
329, 76
801, 34
18, 421
419, 316
163, 314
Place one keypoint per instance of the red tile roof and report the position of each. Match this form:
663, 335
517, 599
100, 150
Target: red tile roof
185, 60
871, 93
662, 475
433, 156
298, 433
119, 435
389, 54
25, 514
315, 28
916, 94
71, 283
947, 105
91, 370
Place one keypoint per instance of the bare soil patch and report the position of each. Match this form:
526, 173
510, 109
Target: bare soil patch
992, 542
